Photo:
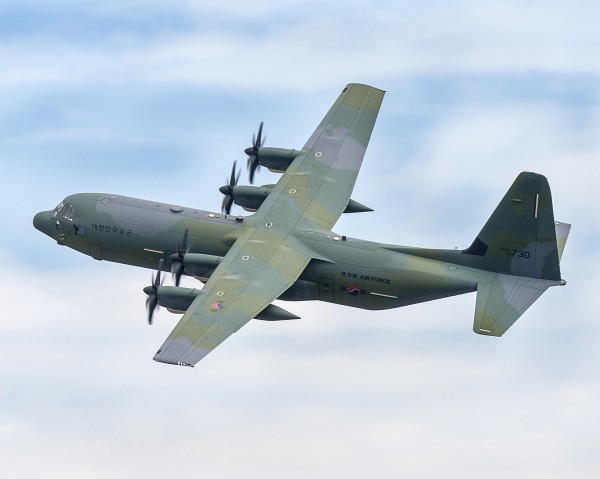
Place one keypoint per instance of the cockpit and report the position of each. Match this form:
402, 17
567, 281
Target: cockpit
59, 222
63, 210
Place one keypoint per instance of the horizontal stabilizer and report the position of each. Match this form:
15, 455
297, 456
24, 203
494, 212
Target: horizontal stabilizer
503, 299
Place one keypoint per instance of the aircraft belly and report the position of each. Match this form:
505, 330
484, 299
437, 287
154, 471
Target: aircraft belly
385, 289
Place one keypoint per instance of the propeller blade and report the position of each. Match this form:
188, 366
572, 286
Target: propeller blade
227, 204
151, 305
253, 166
252, 152
227, 190
152, 292
183, 247
177, 271
177, 268
233, 181
258, 142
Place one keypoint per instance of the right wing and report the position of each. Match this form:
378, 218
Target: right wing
257, 269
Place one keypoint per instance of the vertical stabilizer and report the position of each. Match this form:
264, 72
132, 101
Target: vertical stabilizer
520, 237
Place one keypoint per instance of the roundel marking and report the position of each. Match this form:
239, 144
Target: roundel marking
353, 289
216, 306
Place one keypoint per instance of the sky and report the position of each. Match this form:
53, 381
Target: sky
156, 100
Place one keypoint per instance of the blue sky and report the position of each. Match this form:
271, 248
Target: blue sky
154, 100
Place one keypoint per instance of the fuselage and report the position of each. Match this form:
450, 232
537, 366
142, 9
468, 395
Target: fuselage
353, 272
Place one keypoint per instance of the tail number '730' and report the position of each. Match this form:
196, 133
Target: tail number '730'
519, 253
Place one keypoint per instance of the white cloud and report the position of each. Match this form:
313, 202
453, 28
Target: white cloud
308, 52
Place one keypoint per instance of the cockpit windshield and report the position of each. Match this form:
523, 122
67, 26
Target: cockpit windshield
64, 211
57, 209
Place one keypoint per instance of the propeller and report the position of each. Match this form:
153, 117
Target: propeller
227, 190
177, 258
252, 152
152, 292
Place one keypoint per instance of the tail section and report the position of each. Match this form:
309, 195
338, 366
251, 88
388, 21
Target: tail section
513, 259
520, 246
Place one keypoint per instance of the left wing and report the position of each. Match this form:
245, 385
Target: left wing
315, 189
258, 268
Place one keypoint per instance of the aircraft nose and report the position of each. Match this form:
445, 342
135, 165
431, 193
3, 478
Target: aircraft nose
43, 223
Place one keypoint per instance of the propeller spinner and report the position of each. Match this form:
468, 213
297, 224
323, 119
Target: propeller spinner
252, 152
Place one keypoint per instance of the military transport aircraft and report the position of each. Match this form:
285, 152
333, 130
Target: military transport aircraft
286, 250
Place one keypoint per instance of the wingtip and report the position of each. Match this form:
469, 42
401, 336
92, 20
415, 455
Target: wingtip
349, 85
174, 363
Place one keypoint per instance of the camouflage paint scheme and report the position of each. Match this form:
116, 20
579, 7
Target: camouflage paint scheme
287, 250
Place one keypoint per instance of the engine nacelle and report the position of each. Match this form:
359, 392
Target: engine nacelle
356, 207
275, 313
250, 197
200, 265
177, 300
277, 159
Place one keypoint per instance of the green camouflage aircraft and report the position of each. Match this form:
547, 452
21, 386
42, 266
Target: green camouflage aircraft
286, 250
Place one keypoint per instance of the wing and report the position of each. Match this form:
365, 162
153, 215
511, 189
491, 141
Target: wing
258, 268
266, 259
316, 188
